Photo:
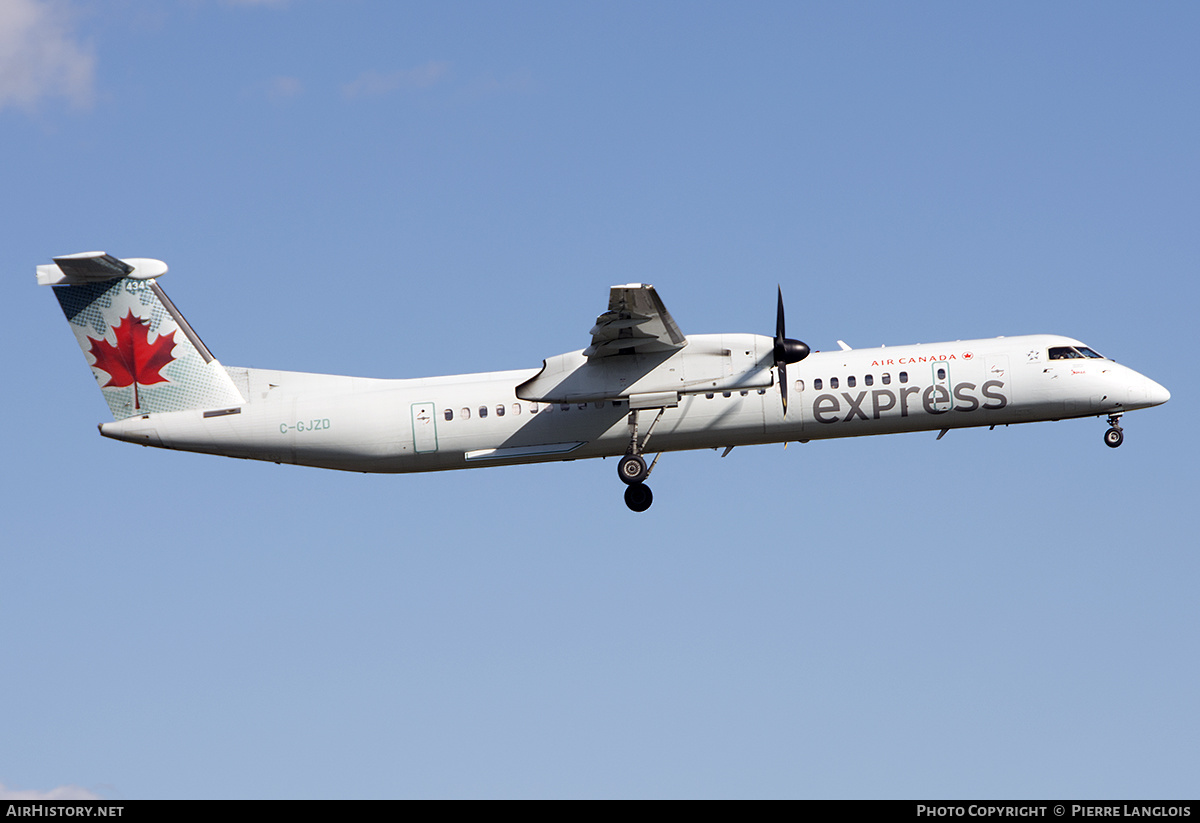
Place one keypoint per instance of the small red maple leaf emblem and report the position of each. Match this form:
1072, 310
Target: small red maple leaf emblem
134, 359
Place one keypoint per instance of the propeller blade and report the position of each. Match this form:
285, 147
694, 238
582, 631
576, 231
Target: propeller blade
783, 385
786, 350
779, 335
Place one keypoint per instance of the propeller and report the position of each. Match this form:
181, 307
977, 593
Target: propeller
786, 351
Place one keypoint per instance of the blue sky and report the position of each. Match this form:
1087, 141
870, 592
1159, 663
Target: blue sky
407, 189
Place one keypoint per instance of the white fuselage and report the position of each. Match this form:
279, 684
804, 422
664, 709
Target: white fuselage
464, 421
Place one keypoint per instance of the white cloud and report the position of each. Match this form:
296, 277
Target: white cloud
518, 81
39, 55
284, 87
59, 793
374, 83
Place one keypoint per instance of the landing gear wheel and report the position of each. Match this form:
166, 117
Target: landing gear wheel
638, 497
632, 469
1114, 437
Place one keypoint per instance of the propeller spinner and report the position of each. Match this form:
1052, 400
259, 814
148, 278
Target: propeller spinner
786, 351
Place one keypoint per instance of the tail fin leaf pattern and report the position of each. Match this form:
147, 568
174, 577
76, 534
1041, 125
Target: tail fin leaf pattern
144, 355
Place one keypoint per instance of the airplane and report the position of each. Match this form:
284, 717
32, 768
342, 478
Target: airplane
640, 380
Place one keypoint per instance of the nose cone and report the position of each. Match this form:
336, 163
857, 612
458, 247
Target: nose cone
1156, 395
1141, 391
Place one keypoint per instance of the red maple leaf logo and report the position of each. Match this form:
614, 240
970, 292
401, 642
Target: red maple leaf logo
134, 359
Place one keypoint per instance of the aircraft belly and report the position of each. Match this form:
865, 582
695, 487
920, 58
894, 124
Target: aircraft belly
357, 433
407, 430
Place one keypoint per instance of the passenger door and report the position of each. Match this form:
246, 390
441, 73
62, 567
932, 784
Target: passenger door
424, 428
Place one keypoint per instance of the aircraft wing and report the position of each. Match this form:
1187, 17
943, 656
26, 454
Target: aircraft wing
636, 322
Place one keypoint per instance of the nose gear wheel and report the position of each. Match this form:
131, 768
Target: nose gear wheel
1115, 435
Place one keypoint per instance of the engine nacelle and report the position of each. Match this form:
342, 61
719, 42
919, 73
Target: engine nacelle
709, 362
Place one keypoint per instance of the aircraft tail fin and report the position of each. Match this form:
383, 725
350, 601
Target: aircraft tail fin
143, 354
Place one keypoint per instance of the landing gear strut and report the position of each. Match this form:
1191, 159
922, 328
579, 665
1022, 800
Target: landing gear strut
1115, 436
632, 468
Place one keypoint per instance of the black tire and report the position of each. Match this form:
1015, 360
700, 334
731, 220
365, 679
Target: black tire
1114, 438
638, 497
632, 469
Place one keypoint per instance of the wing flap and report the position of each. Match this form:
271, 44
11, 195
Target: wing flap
636, 322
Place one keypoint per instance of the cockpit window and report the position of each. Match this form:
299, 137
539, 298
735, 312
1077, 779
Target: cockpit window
1090, 353
1064, 353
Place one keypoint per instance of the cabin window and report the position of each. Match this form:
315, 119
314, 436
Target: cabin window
709, 395
903, 377
1064, 353
869, 380
762, 391
516, 408
618, 403
549, 407
818, 384
449, 413
727, 394
500, 410
850, 381
565, 406
582, 406
466, 414
887, 379
941, 373
599, 404
482, 411
533, 408
745, 392
833, 382
799, 386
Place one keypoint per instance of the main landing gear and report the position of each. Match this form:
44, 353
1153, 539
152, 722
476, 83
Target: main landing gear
1115, 436
632, 468
638, 497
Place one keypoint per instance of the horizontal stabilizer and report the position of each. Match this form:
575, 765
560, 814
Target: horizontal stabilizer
96, 267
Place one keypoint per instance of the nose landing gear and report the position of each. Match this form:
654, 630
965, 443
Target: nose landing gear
1115, 436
